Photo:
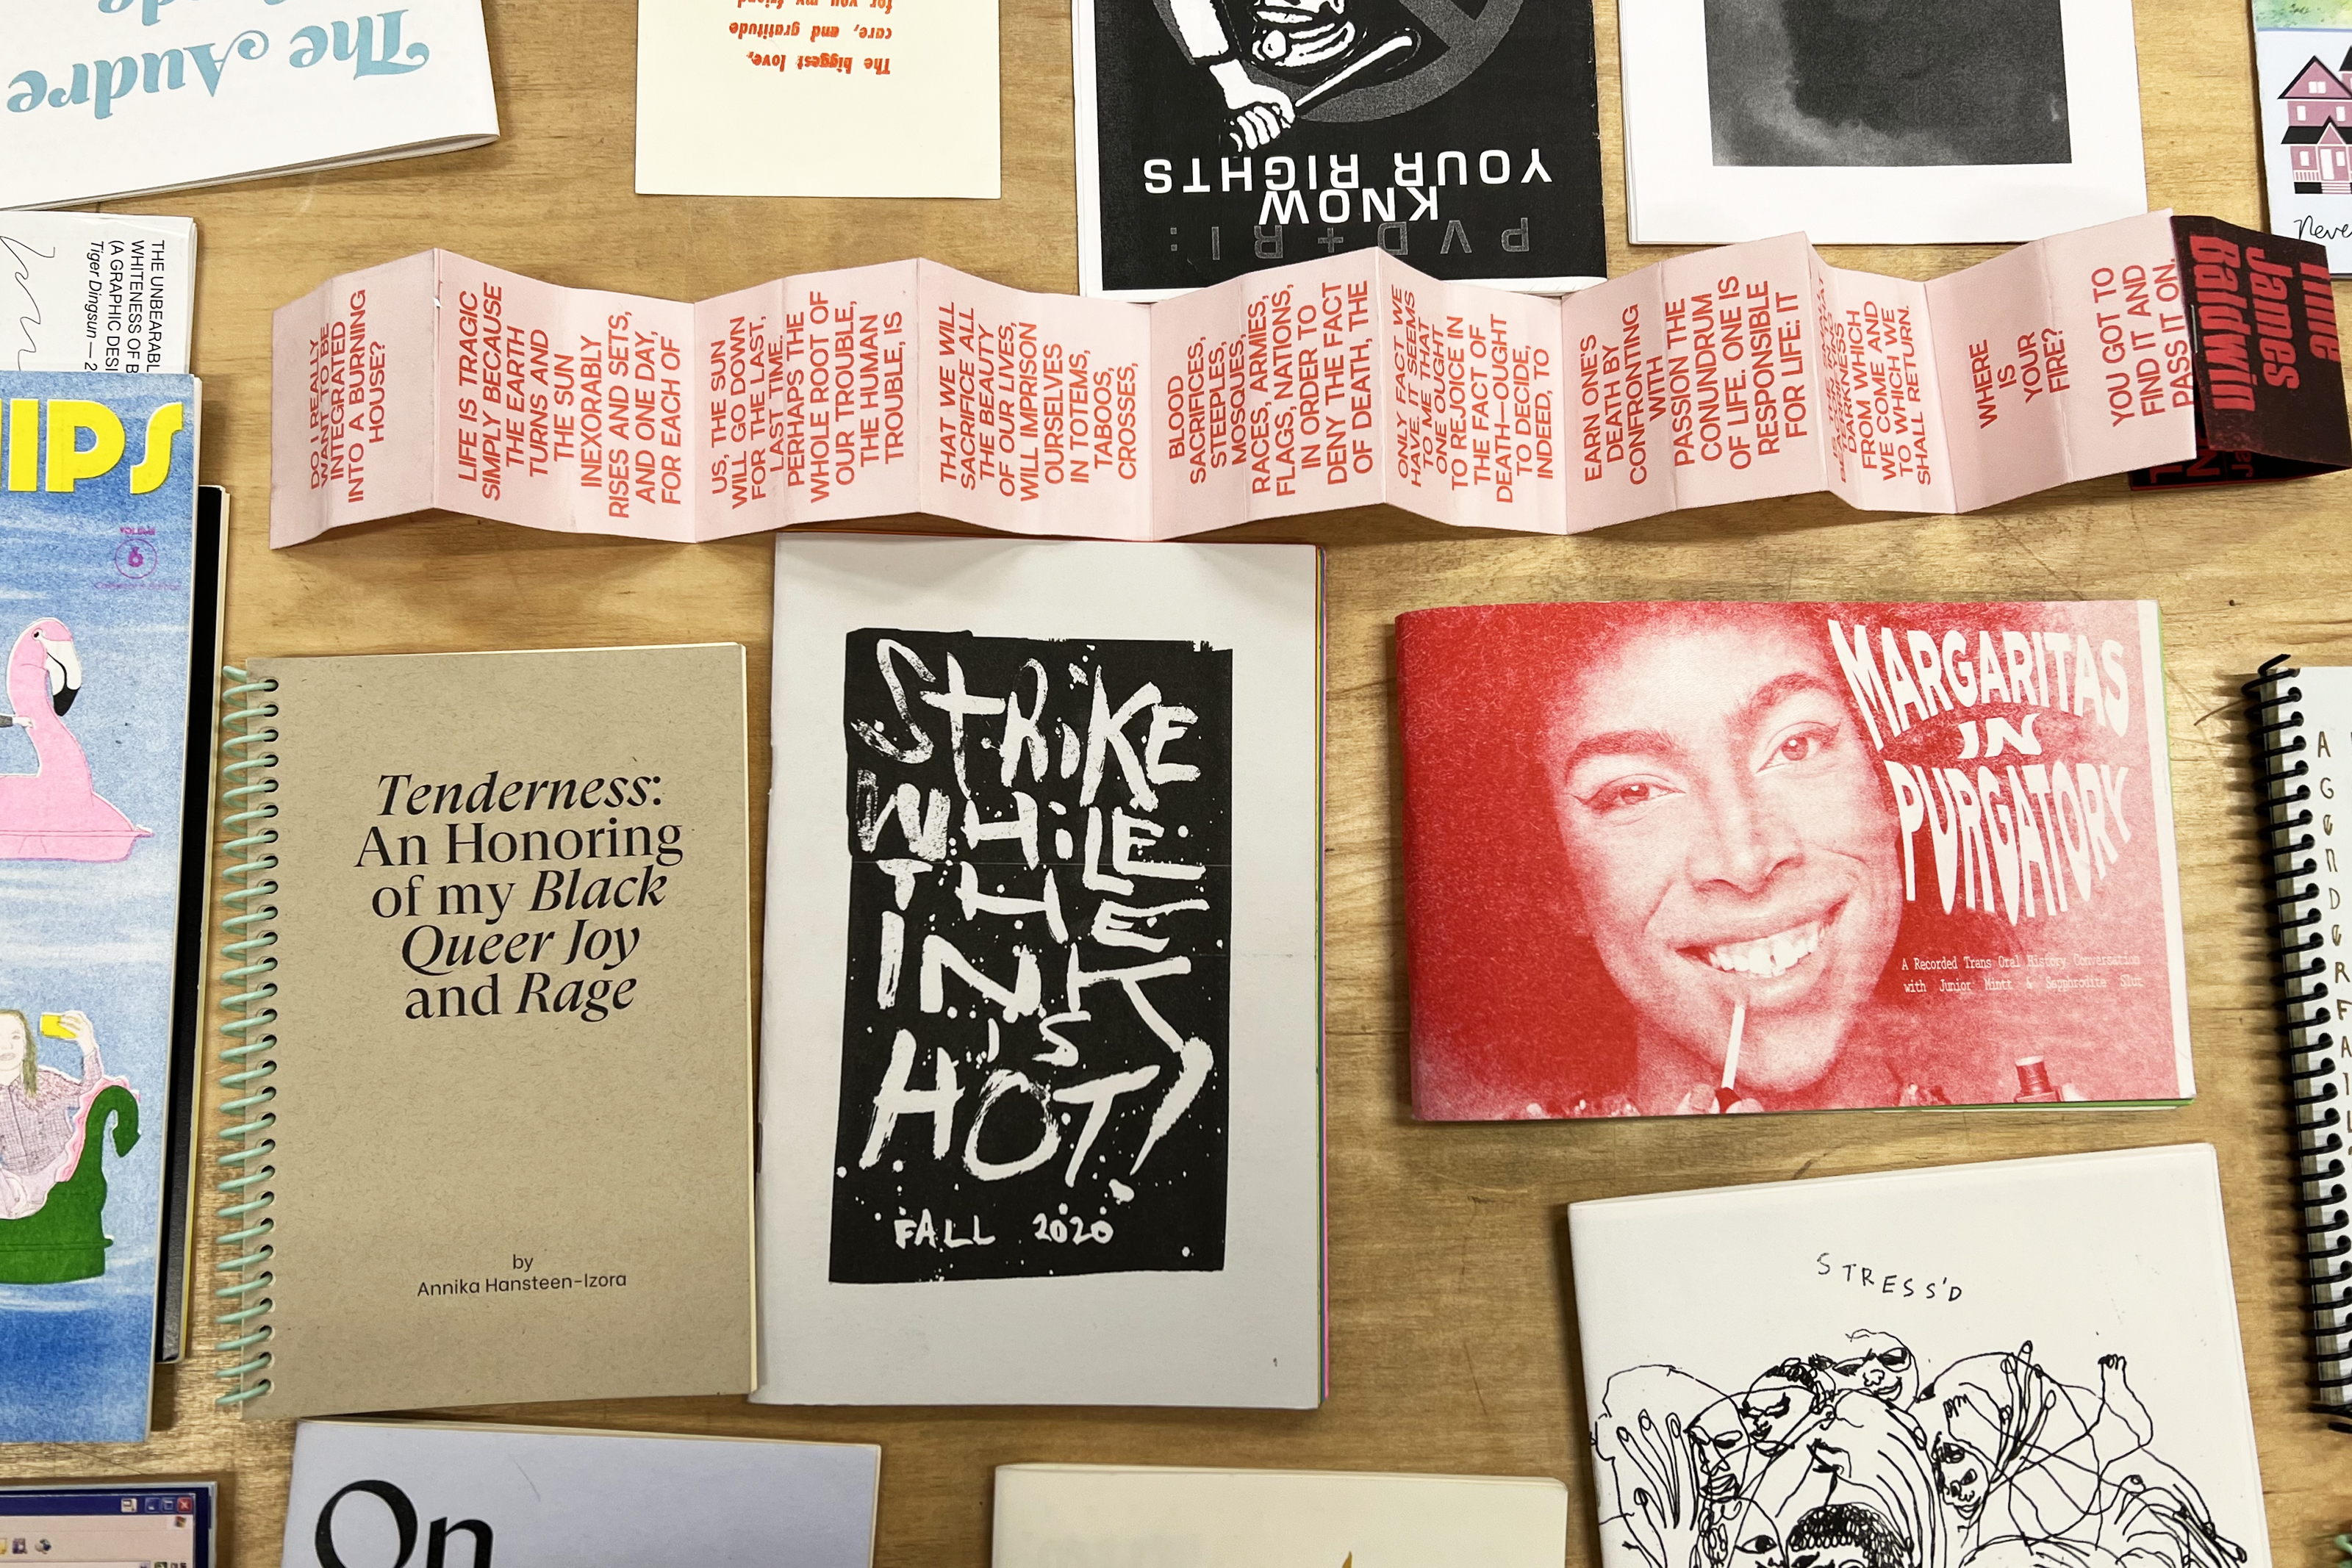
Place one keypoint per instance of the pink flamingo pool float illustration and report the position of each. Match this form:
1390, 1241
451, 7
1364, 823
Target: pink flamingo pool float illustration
53, 813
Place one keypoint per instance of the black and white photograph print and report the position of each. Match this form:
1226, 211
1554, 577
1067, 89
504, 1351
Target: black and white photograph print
1221, 137
1034, 1021
1901, 83
1879, 122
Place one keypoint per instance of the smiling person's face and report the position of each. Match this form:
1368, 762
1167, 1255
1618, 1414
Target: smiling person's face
1731, 842
13, 1048
1878, 1364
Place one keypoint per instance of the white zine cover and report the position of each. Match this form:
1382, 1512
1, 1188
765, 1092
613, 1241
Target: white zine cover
1899, 124
2303, 79
2311, 879
1088, 1516
2026, 1362
93, 291
122, 98
368, 1492
864, 97
1042, 1089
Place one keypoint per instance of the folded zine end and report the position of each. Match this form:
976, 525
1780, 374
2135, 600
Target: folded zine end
2269, 370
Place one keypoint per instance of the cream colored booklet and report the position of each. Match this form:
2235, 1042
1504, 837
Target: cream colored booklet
511, 1154
1060, 1516
862, 97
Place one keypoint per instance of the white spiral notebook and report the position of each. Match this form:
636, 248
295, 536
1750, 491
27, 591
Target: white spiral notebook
2300, 724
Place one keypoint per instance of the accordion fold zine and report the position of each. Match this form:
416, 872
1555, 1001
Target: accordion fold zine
1736, 374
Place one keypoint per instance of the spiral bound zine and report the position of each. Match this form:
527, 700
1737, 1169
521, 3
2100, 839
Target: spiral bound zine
2299, 722
246, 1171
506, 1155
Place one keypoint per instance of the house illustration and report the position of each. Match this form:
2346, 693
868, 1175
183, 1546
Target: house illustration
2319, 116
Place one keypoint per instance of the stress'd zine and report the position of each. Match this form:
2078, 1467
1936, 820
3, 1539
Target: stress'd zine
1736, 374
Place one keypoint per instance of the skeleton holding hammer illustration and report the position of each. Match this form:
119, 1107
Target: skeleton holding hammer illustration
1310, 47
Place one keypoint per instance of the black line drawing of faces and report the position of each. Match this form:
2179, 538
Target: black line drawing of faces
1845, 1458
1878, 1364
1780, 1405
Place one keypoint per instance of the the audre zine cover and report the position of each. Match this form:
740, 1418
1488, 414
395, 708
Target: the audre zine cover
1041, 1089
110, 98
1686, 857
1219, 137
1960, 1366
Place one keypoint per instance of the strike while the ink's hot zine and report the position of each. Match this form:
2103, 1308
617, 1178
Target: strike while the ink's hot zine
1041, 1097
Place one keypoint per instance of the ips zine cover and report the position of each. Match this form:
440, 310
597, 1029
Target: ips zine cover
98, 493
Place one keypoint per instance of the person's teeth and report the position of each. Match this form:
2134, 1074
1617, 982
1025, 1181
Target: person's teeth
1767, 957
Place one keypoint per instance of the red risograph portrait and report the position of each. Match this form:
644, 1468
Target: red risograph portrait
1689, 858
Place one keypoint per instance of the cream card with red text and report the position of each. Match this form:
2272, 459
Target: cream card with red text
783, 98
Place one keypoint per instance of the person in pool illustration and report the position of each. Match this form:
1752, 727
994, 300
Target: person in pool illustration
1734, 855
41, 1109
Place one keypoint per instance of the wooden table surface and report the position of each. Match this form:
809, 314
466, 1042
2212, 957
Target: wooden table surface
1451, 1340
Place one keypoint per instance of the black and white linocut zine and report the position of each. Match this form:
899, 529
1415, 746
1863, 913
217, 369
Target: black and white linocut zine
1218, 137
1039, 979
1040, 1094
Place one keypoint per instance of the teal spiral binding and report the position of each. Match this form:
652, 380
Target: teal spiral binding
246, 1168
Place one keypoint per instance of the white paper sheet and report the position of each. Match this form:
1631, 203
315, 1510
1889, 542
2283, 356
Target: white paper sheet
862, 97
91, 291
1059, 1516
2036, 1359
130, 97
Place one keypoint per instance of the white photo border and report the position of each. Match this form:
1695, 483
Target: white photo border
1676, 194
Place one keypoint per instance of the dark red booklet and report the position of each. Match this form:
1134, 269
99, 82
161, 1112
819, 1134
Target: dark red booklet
2270, 370
1668, 858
